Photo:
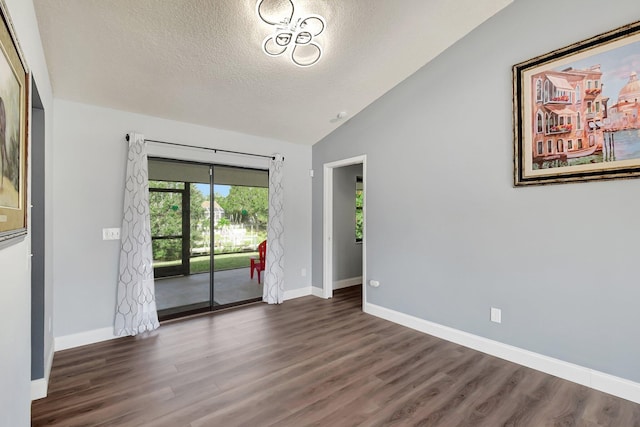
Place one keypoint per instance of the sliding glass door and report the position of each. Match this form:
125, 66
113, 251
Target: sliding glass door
207, 222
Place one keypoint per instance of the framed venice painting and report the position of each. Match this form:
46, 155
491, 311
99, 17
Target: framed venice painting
13, 134
576, 111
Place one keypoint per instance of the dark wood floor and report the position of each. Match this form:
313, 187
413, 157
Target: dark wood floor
308, 362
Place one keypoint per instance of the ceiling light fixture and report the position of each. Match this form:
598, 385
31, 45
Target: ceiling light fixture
291, 34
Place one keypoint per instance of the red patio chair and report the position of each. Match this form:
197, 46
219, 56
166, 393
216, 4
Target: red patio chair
258, 263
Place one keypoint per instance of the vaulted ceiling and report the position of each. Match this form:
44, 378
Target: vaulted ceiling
201, 61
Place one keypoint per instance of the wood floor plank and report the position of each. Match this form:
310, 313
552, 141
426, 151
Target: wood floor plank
307, 362
330, 403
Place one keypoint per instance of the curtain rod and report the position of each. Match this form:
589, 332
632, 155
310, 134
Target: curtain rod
215, 150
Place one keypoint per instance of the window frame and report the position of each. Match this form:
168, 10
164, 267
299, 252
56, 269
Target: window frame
359, 208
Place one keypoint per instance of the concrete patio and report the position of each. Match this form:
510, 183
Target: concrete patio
230, 286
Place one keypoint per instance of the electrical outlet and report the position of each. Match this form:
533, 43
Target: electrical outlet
374, 283
110, 234
303, 273
496, 315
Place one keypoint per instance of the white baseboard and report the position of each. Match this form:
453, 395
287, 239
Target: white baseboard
47, 366
84, 338
303, 292
316, 292
40, 387
578, 374
297, 293
97, 335
345, 283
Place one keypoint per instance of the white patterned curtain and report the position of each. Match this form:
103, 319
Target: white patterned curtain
136, 303
274, 271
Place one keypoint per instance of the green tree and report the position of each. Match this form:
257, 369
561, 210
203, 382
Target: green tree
166, 213
246, 205
222, 222
200, 223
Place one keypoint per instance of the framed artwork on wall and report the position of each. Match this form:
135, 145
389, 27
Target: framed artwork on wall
576, 111
14, 88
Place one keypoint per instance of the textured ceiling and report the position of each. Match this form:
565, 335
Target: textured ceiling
200, 61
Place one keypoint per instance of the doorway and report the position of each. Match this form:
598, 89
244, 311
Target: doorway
39, 326
207, 222
330, 172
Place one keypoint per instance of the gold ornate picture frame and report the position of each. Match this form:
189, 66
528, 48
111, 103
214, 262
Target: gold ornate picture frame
576, 111
14, 89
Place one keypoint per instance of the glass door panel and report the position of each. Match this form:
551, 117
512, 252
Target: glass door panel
240, 224
179, 194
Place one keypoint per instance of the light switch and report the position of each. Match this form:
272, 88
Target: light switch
110, 234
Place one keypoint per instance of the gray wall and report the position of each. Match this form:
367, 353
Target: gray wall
347, 254
90, 161
15, 283
560, 261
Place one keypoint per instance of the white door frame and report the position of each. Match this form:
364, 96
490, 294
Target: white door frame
327, 225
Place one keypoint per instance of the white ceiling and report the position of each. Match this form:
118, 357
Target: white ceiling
200, 61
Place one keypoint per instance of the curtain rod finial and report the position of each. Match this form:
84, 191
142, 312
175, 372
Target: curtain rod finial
127, 137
